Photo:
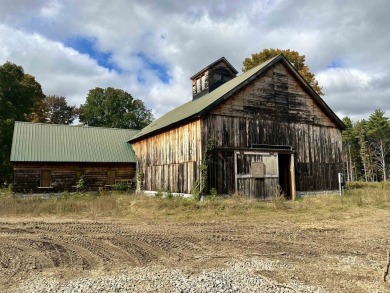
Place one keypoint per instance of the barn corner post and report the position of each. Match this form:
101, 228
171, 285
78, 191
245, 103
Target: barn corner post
138, 178
292, 178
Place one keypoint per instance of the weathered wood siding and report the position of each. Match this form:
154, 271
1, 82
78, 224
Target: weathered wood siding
274, 109
64, 176
170, 160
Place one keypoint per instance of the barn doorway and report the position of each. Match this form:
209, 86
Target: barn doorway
284, 166
258, 174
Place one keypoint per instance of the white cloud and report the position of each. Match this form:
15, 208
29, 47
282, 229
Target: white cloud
354, 92
185, 36
60, 70
51, 9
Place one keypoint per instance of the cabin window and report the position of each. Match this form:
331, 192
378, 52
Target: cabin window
45, 178
198, 85
111, 177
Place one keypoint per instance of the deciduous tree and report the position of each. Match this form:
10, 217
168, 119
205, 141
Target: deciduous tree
58, 111
297, 60
112, 107
20, 99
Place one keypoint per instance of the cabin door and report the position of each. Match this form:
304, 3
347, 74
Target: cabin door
260, 175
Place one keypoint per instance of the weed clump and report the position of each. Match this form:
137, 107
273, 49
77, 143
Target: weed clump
6, 192
279, 199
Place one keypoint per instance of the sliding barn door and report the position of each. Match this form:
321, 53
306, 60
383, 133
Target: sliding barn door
256, 174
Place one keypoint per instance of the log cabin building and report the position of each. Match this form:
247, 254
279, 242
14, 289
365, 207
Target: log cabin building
249, 134
53, 158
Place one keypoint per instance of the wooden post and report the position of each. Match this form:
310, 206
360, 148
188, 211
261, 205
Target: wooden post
235, 170
292, 178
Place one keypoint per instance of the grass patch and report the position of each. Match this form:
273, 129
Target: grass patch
140, 207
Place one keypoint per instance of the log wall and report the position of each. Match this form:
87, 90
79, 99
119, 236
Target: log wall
170, 160
64, 176
274, 109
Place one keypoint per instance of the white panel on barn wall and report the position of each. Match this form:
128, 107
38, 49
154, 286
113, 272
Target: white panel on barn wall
271, 165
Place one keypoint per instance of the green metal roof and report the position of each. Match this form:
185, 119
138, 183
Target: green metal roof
37, 142
201, 106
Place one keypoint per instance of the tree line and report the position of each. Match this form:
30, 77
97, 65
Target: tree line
366, 146
22, 99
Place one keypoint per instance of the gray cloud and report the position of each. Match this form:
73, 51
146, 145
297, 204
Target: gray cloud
185, 36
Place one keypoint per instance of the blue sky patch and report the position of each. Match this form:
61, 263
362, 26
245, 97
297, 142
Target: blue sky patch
88, 46
336, 64
160, 69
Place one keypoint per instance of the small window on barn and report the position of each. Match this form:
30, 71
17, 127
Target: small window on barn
45, 178
203, 82
111, 177
198, 86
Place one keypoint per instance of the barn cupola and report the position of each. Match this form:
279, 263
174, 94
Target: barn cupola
211, 77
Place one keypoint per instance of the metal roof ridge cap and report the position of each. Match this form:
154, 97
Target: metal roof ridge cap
75, 126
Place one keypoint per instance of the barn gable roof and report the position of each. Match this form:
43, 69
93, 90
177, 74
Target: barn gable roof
38, 142
199, 107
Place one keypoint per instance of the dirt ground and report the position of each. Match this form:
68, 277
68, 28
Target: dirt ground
347, 254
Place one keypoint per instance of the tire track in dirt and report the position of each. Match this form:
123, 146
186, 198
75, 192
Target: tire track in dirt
332, 254
29, 246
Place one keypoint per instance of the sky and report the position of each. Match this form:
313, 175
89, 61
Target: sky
152, 48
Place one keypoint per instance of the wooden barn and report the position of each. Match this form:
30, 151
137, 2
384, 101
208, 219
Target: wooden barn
252, 134
52, 158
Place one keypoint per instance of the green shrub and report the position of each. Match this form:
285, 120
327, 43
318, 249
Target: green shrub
65, 194
80, 186
213, 194
6, 192
120, 187
279, 199
195, 192
169, 194
159, 193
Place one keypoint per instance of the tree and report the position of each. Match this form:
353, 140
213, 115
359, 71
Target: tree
298, 61
58, 111
38, 111
378, 132
348, 140
366, 147
364, 152
114, 108
20, 99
